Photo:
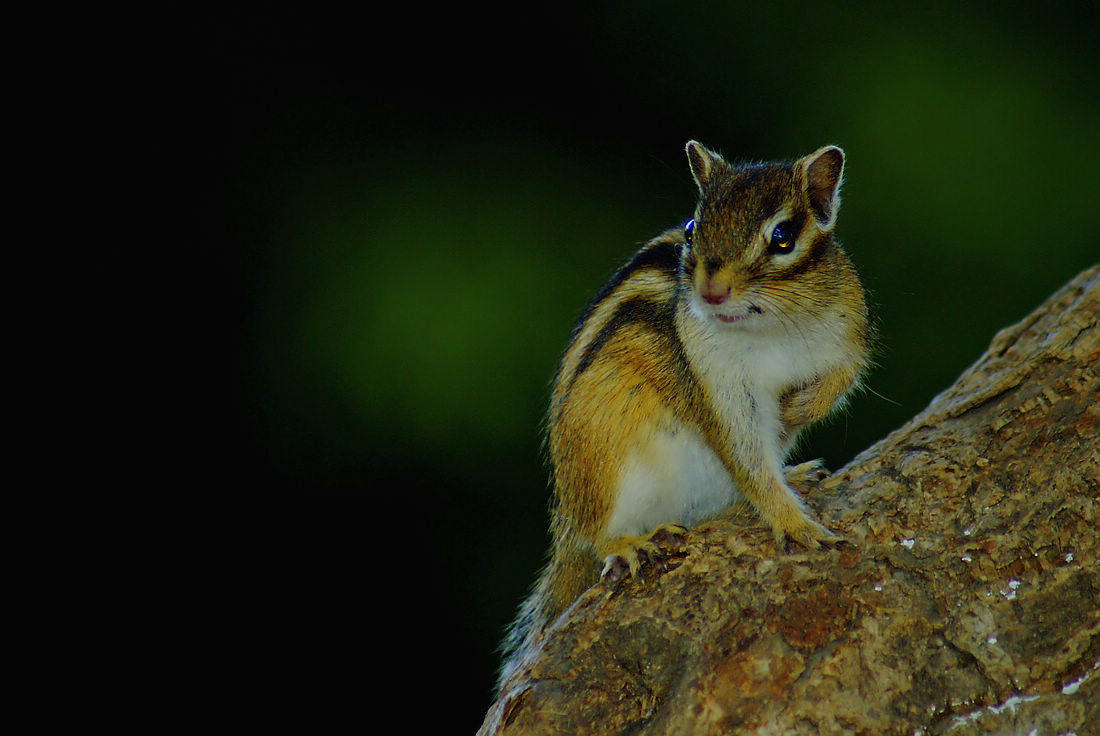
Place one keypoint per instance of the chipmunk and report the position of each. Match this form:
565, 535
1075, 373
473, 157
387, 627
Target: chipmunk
692, 371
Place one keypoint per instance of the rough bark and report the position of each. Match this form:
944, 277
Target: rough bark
966, 599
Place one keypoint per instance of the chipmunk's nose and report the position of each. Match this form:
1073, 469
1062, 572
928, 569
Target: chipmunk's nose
715, 291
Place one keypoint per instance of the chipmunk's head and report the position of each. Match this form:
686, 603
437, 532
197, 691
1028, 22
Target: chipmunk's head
757, 251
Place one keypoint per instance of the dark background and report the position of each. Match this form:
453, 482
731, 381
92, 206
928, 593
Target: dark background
394, 216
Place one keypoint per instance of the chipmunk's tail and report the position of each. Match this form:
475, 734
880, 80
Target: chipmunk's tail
571, 570
522, 638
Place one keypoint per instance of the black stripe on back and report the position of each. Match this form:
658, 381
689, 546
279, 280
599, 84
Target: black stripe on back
657, 317
664, 256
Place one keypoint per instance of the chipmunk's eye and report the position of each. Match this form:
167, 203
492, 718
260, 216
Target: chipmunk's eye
689, 231
781, 240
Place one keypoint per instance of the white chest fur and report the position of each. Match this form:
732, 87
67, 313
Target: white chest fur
676, 476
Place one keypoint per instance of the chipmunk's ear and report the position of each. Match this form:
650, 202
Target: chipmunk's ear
704, 163
822, 174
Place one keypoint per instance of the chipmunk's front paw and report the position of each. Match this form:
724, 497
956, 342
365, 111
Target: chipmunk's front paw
813, 471
806, 532
630, 553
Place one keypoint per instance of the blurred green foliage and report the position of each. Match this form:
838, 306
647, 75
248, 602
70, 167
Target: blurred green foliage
416, 282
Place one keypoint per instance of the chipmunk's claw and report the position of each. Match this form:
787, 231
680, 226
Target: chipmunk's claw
809, 535
812, 471
613, 568
632, 553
